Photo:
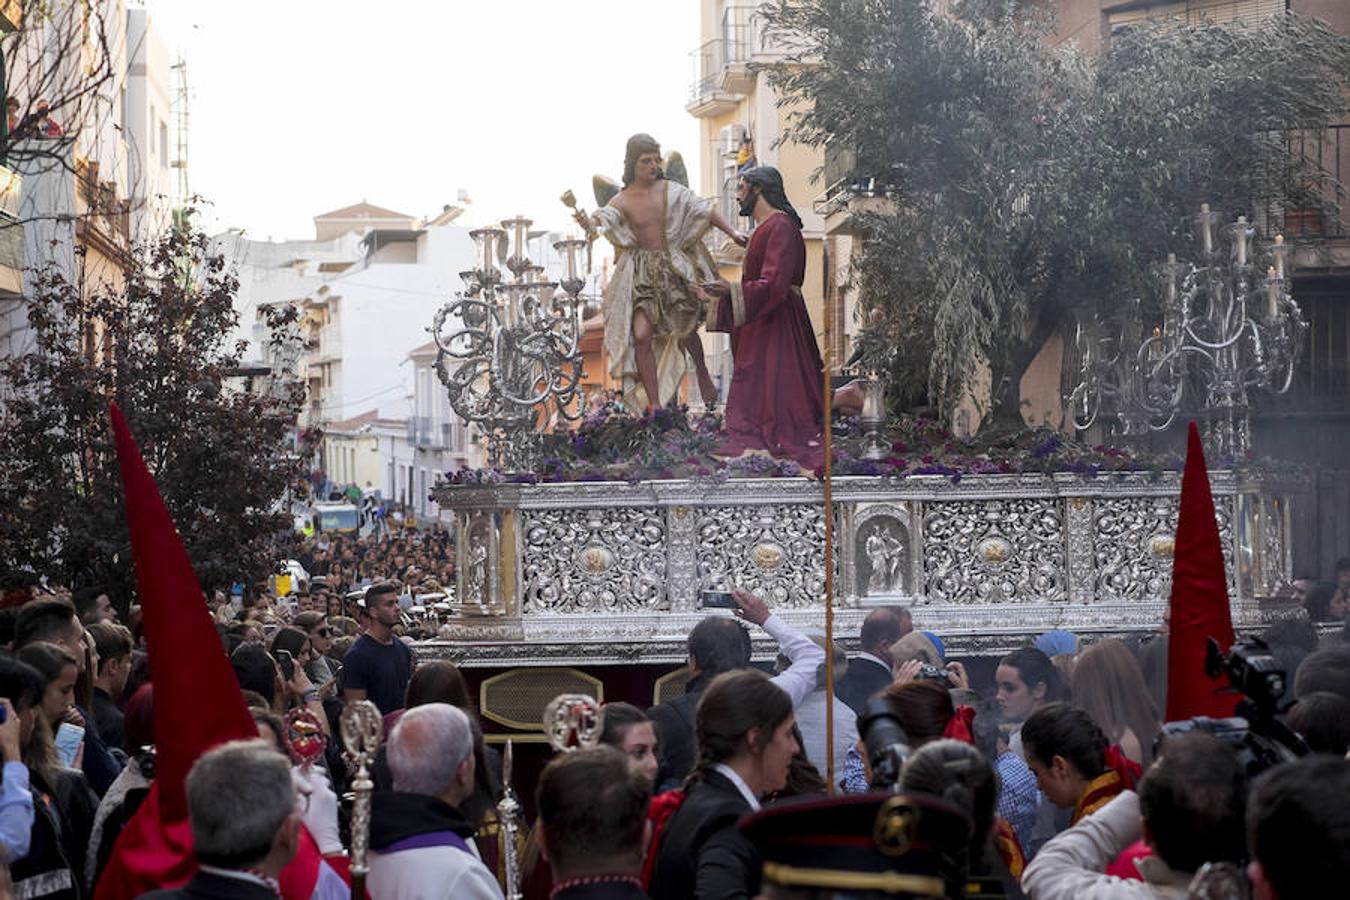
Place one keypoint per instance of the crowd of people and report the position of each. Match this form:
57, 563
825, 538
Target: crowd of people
1051, 776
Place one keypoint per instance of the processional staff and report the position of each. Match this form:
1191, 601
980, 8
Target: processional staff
361, 724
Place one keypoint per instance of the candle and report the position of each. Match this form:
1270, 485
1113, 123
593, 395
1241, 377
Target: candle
1272, 293
1204, 228
1242, 241
570, 263
1279, 255
1171, 278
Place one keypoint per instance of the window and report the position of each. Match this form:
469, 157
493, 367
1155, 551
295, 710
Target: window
1193, 12
164, 143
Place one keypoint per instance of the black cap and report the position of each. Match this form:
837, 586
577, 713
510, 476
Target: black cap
905, 845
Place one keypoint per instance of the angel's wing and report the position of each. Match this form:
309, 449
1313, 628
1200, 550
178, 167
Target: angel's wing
605, 188
675, 170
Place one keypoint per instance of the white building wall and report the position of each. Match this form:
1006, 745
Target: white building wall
148, 127
386, 311
277, 272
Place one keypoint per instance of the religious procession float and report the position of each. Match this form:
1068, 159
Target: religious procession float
589, 541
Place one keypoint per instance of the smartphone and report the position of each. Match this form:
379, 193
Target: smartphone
287, 663
717, 600
68, 740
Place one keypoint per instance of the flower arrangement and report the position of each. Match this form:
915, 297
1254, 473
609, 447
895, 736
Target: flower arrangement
613, 444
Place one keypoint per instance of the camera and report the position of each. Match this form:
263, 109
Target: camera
1261, 740
930, 672
717, 600
885, 740
1251, 670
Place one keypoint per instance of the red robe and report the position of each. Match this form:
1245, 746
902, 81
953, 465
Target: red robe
775, 402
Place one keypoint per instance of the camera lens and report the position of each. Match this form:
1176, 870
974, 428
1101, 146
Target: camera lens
886, 743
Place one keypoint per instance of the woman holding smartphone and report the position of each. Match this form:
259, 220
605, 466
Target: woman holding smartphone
42, 681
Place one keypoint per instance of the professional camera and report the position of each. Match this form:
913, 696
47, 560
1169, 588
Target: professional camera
1261, 740
885, 740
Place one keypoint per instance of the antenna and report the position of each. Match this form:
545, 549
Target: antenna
179, 107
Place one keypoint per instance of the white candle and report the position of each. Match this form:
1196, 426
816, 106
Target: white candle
1204, 228
1279, 255
1171, 278
1272, 293
1242, 241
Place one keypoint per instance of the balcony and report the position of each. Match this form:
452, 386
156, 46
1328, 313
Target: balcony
1324, 215
767, 44
426, 433
708, 96
736, 42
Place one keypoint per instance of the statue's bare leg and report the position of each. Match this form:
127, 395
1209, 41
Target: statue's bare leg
645, 357
706, 387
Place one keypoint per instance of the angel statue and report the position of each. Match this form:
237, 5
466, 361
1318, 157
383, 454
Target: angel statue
656, 225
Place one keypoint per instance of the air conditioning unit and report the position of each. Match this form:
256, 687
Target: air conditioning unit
729, 139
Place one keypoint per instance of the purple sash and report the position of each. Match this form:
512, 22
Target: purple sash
429, 839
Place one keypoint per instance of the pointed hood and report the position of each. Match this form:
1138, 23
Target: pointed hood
1199, 605
197, 699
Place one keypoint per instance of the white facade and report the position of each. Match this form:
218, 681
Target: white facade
385, 307
149, 128
276, 272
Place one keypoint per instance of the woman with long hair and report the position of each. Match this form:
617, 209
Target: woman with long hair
1109, 686
1025, 679
64, 816
627, 728
59, 670
1076, 765
746, 744
441, 682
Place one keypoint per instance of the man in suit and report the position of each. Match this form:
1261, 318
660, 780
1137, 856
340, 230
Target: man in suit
245, 827
870, 671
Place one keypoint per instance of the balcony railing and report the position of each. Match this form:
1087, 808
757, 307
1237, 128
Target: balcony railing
708, 61
423, 431
1326, 152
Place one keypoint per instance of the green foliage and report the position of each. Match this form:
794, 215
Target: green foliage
1031, 184
158, 346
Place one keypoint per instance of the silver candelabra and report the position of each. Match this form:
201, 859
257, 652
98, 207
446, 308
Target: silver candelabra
509, 349
1229, 326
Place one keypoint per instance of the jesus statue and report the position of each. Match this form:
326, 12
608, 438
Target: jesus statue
651, 313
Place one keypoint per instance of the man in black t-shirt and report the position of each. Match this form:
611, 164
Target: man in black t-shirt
378, 665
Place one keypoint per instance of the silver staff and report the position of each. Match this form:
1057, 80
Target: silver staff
508, 829
361, 724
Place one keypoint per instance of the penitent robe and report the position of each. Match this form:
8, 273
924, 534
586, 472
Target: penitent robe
775, 403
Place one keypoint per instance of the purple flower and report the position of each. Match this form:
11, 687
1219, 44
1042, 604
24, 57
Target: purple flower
1046, 447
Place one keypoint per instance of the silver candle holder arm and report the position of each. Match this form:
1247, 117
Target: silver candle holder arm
509, 345
1229, 326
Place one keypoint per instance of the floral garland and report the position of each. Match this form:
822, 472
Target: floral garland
613, 444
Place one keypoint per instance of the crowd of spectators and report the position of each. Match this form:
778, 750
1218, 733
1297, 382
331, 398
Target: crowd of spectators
1051, 776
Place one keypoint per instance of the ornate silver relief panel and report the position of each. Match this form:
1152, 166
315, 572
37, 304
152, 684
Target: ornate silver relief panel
593, 560
1134, 541
994, 551
776, 551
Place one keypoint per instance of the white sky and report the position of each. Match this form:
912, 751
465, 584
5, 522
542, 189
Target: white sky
299, 107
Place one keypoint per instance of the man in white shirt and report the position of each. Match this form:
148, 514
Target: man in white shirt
717, 645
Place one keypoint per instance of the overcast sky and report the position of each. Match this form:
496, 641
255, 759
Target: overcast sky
300, 107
